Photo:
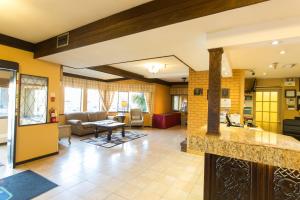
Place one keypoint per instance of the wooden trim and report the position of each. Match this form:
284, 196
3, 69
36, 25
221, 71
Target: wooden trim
126, 74
92, 78
16, 43
37, 158
9, 65
179, 83
82, 77
153, 14
117, 79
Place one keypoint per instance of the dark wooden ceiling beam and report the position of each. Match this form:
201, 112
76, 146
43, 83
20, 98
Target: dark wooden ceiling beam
126, 74
83, 77
147, 16
16, 43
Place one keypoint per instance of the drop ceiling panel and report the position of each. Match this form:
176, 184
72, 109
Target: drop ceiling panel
171, 68
260, 56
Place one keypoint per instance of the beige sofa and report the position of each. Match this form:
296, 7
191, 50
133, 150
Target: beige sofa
82, 123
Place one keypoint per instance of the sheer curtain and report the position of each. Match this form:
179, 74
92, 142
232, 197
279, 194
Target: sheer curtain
100, 87
108, 99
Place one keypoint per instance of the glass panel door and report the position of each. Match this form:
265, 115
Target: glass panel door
267, 110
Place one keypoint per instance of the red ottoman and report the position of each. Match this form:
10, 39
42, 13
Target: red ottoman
166, 120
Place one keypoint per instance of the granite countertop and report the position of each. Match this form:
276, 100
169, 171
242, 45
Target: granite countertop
253, 145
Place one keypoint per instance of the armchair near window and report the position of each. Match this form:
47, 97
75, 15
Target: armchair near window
136, 117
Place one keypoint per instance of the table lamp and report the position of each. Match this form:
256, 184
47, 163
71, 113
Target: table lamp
124, 105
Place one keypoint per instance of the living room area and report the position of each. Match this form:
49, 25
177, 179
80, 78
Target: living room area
92, 105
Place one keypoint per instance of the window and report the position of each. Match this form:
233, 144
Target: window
33, 100
3, 101
179, 103
137, 100
124, 101
73, 100
93, 100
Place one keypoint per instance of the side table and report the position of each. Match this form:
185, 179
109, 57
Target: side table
65, 132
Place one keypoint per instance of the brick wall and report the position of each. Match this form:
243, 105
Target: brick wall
197, 107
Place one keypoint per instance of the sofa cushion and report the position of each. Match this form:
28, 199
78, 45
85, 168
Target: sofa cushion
97, 116
88, 125
82, 116
136, 117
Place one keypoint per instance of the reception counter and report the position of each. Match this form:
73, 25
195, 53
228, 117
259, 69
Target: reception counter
249, 164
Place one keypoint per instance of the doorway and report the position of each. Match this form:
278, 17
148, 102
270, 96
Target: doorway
7, 113
267, 109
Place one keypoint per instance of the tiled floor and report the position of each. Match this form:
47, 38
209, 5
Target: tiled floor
149, 168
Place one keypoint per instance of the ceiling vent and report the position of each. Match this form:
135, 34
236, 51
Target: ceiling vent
62, 40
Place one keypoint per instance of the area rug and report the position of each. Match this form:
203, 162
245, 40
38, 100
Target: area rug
116, 139
24, 185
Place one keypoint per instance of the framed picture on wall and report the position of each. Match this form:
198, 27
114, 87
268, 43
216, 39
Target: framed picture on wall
290, 93
225, 93
198, 91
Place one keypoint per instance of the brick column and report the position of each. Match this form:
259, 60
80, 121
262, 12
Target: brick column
214, 91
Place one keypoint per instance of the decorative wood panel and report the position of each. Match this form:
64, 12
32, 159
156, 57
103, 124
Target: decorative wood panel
286, 184
233, 178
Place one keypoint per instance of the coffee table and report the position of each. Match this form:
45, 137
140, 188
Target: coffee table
109, 126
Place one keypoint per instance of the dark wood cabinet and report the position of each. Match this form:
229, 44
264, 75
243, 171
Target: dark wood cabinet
234, 179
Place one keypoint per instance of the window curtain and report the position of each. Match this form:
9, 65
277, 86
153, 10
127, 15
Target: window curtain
100, 87
130, 87
108, 99
179, 90
74, 82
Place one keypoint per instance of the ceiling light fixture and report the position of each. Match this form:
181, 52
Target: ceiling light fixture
282, 52
273, 65
154, 68
275, 42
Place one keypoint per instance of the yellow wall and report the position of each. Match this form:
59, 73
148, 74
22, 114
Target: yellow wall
197, 105
162, 99
37, 140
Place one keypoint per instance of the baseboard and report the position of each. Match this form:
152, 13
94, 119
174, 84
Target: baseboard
36, 158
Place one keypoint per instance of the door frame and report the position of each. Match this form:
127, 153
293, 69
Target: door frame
13, 67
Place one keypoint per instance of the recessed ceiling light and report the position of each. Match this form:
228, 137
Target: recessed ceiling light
282, 52
271, 66
264, 73
275, 42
